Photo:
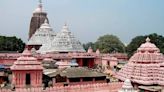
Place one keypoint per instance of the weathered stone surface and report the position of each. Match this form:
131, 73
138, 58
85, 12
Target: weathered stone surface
37, 19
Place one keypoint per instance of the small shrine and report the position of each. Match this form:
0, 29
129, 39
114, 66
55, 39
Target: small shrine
127, 87
27, 71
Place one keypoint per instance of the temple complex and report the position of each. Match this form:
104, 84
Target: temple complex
145, 67
57, 62
60, 53
58, 56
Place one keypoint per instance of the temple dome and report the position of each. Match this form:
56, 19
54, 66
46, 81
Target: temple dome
90, 50
147, 53
64, 41
26, 62
145, 66
43, 35
39, 9
127, 87
148, 46
127, 84
46, 25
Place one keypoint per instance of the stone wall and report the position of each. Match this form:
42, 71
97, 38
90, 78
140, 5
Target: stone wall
99, 87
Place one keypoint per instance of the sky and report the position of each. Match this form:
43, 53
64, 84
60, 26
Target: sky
87, 19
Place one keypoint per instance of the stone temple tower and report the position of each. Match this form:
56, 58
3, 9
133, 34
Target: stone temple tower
37, 19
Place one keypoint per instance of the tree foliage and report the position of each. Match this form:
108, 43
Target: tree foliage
134, 44
89, 44
11, 44
109, 43
158, 40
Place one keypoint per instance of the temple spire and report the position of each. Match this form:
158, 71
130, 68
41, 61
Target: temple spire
40, 3
90, 50
147, 39
65, 27
46, 21
65, 24
39, 15
39, 9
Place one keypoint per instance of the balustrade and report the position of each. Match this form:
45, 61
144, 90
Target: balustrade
103, 87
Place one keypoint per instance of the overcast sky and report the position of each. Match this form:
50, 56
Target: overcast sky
87, 19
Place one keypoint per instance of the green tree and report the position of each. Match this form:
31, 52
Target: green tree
134, 44
11, 44
158, 40
109, 43
89, 44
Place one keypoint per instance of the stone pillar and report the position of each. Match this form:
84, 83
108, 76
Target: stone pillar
18, 76
67, 80
32, 80
37, 78
53, 81
23, 79
81, 79
13, 78
90, 62
80, 62
40, 80
93, 80
16, 79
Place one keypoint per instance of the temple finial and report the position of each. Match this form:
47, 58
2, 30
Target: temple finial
40, 4
147, 39
65, 27
40, 1
45, 21
90, 50
65, 24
